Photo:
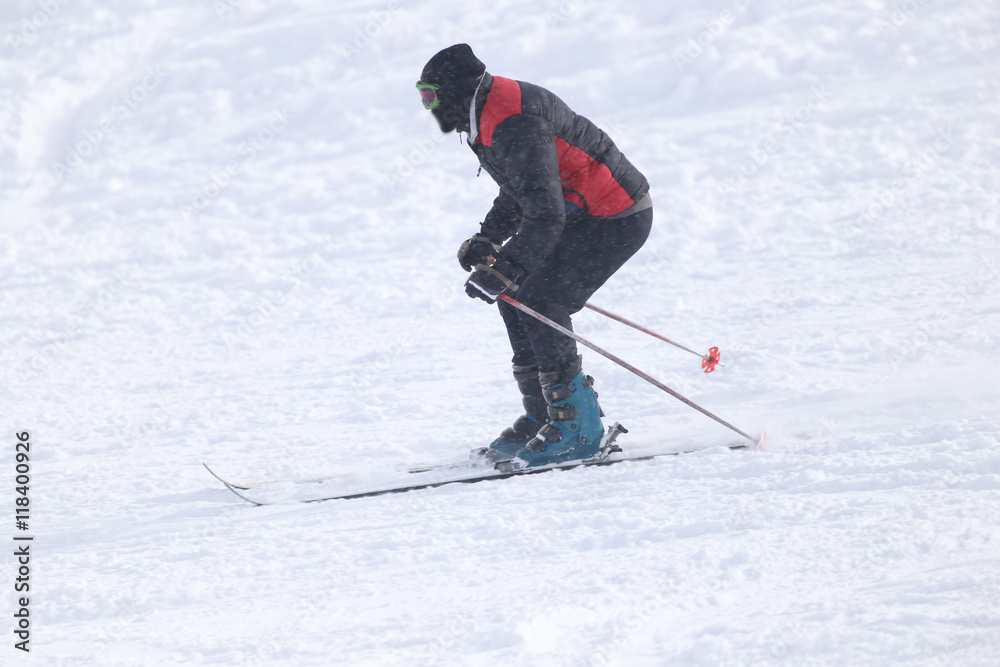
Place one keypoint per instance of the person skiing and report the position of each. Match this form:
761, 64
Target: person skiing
571, 211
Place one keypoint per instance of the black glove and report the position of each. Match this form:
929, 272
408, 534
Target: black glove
488, 282
477, 250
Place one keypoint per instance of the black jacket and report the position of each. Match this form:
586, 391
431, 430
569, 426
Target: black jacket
550, 164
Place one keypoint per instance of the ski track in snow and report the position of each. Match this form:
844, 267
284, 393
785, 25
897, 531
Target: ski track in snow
227, 232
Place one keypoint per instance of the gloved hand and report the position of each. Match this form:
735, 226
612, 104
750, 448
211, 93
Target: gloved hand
488, 282
477, 250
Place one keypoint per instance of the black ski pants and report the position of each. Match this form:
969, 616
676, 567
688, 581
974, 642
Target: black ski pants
589, 252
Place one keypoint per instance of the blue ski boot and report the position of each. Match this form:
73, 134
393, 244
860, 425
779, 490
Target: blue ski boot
526, 426
574, 429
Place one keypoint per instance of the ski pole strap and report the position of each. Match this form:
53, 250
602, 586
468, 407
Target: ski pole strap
508, 283
624, 364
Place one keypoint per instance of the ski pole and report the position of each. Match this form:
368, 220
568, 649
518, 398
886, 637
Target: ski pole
709, 360
624, 364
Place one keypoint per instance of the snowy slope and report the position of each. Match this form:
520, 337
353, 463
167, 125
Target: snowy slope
227, 233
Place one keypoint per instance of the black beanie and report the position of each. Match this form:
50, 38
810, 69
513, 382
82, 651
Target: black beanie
456, 68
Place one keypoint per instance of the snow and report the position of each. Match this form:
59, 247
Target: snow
228, 235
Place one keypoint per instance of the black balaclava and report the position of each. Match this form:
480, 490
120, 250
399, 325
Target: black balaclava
458, 71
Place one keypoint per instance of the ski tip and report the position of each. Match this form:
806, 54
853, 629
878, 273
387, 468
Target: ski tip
213, 473
255, 503
239, 491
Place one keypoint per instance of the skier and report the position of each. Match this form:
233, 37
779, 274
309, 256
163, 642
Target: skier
570, 212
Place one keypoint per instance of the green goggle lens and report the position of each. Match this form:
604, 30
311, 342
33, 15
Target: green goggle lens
428, 94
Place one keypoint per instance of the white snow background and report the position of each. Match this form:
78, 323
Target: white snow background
228, 233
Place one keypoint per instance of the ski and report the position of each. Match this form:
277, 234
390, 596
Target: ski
609, 454
477, 460
246, 486
478, 473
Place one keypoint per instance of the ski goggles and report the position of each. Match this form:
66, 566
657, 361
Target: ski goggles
429, 95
